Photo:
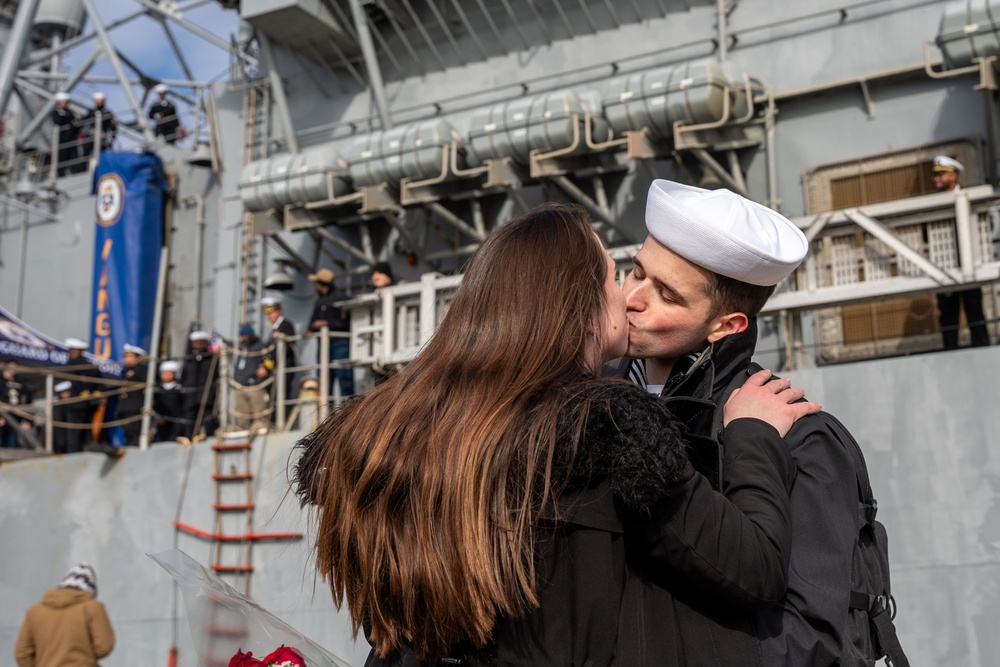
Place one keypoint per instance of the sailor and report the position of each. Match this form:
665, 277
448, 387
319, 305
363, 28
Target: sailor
198, 379
68, 156
168, 403
709, 263
67, 438
281, 327
17, 396
130, 401
326, 314
84, 373
108, 130
947, 172
251, 397
164, 113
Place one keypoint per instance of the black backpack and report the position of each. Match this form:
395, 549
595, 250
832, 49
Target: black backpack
870, 634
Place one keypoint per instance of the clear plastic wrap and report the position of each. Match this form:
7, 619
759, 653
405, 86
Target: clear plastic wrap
225, 623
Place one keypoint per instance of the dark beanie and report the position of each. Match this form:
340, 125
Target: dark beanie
383, 267
247, 330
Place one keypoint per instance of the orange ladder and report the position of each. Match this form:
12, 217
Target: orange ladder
233, 537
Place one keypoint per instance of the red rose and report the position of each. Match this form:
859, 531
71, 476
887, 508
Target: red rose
242, 659
285, 655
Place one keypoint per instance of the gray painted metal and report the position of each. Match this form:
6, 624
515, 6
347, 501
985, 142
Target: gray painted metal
925, 422
930, 450
14, 48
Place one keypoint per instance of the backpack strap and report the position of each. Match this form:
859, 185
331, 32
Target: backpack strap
718, 417
881, 609
739, 379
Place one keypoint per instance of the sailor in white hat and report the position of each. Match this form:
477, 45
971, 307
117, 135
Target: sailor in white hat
132, 396
170, 366
69, 146
75, 344
708, 265
280, 328
169, 403
946, 173
108, 122
163, 112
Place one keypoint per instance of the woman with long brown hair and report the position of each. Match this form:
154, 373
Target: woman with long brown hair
473, 507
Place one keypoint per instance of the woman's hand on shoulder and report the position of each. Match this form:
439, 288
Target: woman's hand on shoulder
773, 401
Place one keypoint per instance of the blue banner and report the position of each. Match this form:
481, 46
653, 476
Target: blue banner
130, 190
23, 344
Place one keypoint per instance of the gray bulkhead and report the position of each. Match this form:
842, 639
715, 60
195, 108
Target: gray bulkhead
849, 84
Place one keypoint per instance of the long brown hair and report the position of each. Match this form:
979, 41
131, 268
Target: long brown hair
428, 487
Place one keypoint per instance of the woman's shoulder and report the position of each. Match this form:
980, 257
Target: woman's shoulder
621, 410
631, 438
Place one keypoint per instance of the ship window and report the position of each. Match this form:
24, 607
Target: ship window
891, 326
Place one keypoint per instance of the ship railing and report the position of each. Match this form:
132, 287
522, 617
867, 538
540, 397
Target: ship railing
41, 415
391, 324
940, 241
872, 271
299, 395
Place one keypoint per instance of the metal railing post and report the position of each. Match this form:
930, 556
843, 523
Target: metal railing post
98, 139
223, 386
966, 235
324, 371
49, 392
154, 351
279, 378
388, 324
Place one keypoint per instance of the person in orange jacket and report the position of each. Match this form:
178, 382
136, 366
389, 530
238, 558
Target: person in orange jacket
68, 626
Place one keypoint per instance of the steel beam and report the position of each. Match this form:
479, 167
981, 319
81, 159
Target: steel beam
14, 49
278, 92
112, 55
371, 62
885, 236
46, 110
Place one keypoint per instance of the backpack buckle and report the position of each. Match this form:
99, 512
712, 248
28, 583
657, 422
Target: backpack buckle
869, 511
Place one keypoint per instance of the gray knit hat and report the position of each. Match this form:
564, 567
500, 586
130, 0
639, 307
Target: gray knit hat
81, 577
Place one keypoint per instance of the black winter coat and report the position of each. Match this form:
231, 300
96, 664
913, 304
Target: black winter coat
632, 484
807, 628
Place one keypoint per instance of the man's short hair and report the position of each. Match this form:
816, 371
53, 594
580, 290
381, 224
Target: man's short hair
729, 295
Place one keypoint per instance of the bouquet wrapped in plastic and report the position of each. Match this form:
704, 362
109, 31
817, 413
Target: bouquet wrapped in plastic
224, 623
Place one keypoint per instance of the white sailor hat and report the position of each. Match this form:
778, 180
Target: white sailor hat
161, 88
269, 303
724, 232
945, 163
65, 385
199, 335
134, 349
62, 97
172, 366
98, 95
76, 344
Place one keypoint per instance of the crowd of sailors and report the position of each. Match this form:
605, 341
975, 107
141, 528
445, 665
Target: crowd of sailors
93, 410
77, 133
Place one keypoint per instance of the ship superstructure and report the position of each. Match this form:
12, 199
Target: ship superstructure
348, 132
